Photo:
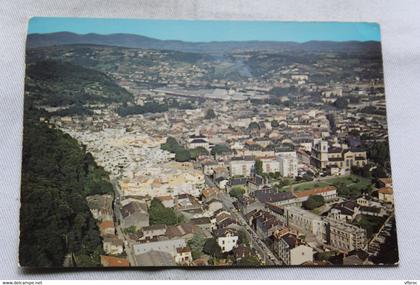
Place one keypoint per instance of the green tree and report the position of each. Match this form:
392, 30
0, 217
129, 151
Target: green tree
182, 155
243, 237
371, 224
253, 126
196, 152
379, 172
274, 124
237, 192
313, 202
220, 149
210, 114
249, 260
197, 244
131, 230
379, 153
158, 214
76, 85
57, 175
258, 167
171, 144
212, 248
341, 103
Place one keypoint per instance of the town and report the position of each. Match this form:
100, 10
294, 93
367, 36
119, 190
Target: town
217, 167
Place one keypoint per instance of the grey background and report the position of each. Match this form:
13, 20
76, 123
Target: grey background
401, 47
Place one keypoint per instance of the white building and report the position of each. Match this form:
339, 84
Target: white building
199, 143
270, 165
242, 166
306, 222
291, 252
168, 246
227, 239
288, 164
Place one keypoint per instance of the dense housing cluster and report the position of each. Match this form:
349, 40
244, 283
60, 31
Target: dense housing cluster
265, 157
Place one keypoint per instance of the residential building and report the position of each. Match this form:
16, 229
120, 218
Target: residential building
288, 164
214, 205
167, 246
154, 258
153, 231
185, 231
306, 222
270, 164
268, 195
167, 201
386, 194
203, 223
266, 224
242, 166
134, 213
227, 239
107, 228
183, 256
344, 236
291, 251
101, 207
113, 245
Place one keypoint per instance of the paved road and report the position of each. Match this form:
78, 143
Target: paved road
255, 241
119, 231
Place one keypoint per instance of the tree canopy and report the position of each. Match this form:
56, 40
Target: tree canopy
237, 192
181, 153
341, 103
258, 167
274, 123
212, 248
249, 260
210, 114
158, 214
74, 84
220, 149
253, 126
57, 175
197, 244
313, 202
196, 152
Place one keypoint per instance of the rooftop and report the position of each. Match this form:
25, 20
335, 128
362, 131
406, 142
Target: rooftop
112, 261
315, 191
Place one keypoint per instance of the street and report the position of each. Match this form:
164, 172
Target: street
255, 242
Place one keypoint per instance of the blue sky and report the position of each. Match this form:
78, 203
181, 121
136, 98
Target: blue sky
205, 31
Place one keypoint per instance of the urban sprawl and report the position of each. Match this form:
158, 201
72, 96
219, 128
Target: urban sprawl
278, 168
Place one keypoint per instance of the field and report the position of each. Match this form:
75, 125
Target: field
354, 181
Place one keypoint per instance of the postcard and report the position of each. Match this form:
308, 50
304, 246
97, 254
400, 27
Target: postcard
164, 143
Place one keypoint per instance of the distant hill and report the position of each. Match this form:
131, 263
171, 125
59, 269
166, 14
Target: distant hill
137, 41
60, 83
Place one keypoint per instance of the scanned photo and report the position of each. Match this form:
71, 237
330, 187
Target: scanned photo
164, 143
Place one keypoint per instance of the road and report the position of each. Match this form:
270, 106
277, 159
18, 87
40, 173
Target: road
117, 215
255, 241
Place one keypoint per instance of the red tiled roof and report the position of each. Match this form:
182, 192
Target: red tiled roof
111, 261
106, 225
165, 198
315, 191
183, 249
385, 190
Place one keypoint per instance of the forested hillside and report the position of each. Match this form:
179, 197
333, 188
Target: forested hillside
57, 175
57, 83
